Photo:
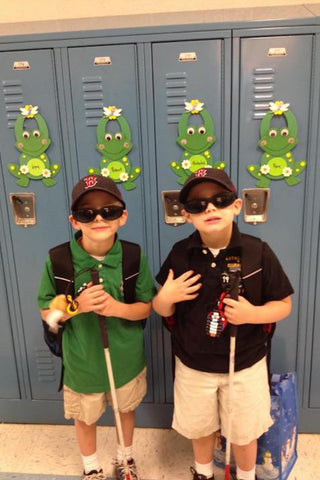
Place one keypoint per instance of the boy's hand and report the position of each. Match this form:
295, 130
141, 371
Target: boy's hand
110, 307
182, 288
92, 298
239, 311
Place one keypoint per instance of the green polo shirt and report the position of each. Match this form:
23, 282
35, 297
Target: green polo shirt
83, 353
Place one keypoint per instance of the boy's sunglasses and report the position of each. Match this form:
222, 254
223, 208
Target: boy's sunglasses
219, 200
86, 215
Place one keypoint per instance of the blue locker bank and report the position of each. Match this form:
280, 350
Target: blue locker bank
239, 64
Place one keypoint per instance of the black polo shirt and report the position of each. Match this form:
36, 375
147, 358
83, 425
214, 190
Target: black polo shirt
191, 343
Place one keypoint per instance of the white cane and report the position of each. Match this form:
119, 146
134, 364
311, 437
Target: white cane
105, 343
233, 334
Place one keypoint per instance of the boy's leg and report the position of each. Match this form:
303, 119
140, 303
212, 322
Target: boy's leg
127, 422
203, 448
87, 438
245, 455
203, 452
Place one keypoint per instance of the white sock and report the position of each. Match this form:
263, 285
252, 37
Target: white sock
246, 474
91, 462
128, 452
204, 469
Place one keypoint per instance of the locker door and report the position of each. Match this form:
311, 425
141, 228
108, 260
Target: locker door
266, 78
9, 383
174, 83
27, 247
95, 85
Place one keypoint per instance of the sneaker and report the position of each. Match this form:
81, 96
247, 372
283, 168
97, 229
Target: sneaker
120, 470
94, 475
198, 476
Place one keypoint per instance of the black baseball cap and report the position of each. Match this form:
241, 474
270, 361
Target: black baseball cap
92, 183
206, 175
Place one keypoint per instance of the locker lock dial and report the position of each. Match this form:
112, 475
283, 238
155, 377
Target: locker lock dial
24, 208
255, 204
172, 208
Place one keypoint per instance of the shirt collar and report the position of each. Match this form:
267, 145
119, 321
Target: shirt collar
195, 241
112, 258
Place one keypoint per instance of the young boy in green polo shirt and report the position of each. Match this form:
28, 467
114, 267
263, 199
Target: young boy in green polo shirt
98, 211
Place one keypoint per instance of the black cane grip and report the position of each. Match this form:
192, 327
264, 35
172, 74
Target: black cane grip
95, 277
234, 294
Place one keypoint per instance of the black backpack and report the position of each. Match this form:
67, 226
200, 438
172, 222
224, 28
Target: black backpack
64, 280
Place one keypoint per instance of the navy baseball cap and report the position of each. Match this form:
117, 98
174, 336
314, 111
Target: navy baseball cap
92, 183
206, 175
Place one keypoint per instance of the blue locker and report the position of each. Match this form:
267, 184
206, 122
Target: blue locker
27, 247
267, 78
95, 85
176, 81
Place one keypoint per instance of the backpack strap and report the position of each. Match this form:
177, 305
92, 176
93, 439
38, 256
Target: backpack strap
62, 267
131, 255
252, 281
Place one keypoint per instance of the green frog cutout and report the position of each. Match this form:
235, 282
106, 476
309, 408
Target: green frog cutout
114, 148
34, 164
196, 141
277, 163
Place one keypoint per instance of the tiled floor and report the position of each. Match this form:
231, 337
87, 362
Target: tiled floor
160, 453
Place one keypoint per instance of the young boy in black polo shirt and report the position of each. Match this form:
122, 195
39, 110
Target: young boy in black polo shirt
192, 288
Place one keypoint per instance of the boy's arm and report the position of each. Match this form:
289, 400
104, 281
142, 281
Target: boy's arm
242, 311
176, 290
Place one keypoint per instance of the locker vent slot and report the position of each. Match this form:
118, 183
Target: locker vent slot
263, 90
13, 99
45, 365
176, 93
93, 99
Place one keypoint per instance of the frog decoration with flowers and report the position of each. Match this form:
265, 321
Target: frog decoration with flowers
114, 148
32, 139
195, 140
277, 163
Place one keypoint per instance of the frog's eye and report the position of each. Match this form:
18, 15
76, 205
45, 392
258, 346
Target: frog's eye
118, 136
284, 132
108, 137
190, 131
36, 133
202, 130
273, 133
26, 134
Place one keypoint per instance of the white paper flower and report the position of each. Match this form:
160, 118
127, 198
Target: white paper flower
195, 106
112, 112
105, 172
29, 111
278, 107
24, 169
186, 164
46, 173
265, 169
287, 172
124, 177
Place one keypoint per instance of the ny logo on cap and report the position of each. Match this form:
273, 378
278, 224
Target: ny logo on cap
90, 181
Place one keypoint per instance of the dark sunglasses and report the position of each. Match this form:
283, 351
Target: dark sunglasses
219, 200
86, 215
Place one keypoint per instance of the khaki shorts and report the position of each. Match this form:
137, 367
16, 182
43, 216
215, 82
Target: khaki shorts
88, 407
201, 403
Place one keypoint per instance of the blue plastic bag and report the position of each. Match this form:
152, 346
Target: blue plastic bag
277, 448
